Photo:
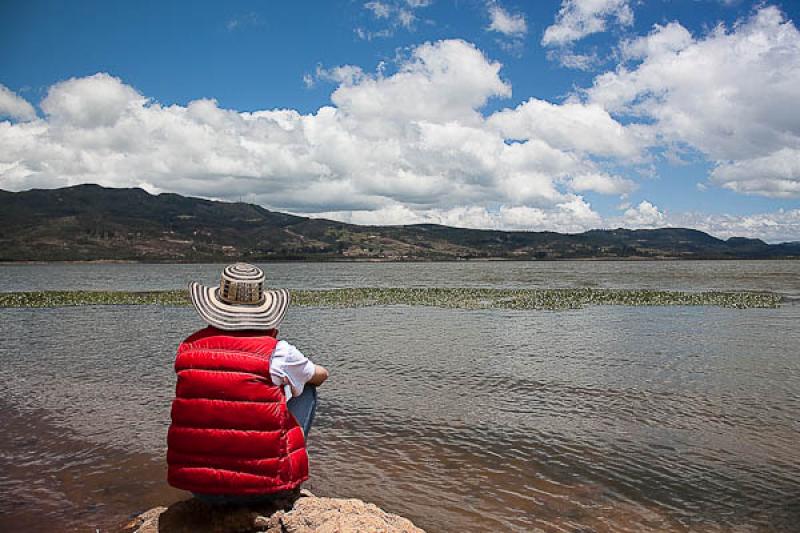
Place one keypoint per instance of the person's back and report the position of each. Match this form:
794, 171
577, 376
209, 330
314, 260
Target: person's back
237, 433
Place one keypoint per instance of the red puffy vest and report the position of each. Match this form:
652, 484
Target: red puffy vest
231, 432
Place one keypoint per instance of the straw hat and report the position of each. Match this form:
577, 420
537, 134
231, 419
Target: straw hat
240, 301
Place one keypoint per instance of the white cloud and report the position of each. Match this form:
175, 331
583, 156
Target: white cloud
602, 183
570, 59
92, 102
367, 35
442, 81
778, 226
416, 138
731, 94
406, 18
578, 18
570, 126
776, 174
774, 227
395, 13
510, 25
671, 38
410, 145
573, 215
380, 10
13, 106
343, 74
644, 215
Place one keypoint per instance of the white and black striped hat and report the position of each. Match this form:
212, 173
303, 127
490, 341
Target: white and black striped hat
240, 301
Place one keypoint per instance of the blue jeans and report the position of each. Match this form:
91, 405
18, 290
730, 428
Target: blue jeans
303, 408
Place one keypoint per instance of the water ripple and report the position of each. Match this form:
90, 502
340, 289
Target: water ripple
603, 419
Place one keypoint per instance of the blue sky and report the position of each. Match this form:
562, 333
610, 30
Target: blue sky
444, 154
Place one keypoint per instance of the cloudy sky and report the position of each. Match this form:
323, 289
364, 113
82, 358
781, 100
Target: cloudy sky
548, 115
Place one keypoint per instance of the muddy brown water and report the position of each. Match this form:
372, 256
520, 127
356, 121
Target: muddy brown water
598, 419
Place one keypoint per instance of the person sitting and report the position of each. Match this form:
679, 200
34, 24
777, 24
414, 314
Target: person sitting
244, 400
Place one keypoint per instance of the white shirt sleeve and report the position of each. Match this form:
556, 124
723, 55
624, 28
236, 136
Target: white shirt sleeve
290, 367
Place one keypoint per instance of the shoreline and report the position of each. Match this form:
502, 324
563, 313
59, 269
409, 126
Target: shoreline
346, 260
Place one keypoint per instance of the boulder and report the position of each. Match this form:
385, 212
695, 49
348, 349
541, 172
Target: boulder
304, 513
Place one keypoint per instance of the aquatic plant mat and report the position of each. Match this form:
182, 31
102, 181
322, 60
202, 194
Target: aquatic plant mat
450, 298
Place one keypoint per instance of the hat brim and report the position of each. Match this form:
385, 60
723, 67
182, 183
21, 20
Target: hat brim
265, 315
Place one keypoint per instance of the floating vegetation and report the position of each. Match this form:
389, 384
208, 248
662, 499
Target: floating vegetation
553, 299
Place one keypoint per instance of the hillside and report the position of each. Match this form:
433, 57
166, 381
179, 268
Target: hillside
90, 222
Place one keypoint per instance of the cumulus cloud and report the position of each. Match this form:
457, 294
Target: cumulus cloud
671, 38
730, 94
12, 106
602, 183
774, 227
776, 174
573, 215
573, 126
343, 74
92, 102
778, 226
644, 215
510, 25
443, 81
413, 145
578, 18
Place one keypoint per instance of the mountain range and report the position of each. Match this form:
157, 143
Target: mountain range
90, 222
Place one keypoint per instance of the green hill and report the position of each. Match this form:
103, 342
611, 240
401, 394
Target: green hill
90, 222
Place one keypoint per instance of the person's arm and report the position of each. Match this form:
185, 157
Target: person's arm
319, 377
293, 370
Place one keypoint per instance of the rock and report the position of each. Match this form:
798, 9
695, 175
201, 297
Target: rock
303, 513
336, 515
147, 521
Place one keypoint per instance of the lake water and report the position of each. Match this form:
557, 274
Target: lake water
598, 419
778, 276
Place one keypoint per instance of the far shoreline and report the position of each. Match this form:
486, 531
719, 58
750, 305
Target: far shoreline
415, 260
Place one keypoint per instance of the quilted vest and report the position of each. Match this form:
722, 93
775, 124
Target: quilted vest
231, 431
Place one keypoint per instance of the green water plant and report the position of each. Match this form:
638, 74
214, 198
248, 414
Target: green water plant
455, 298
